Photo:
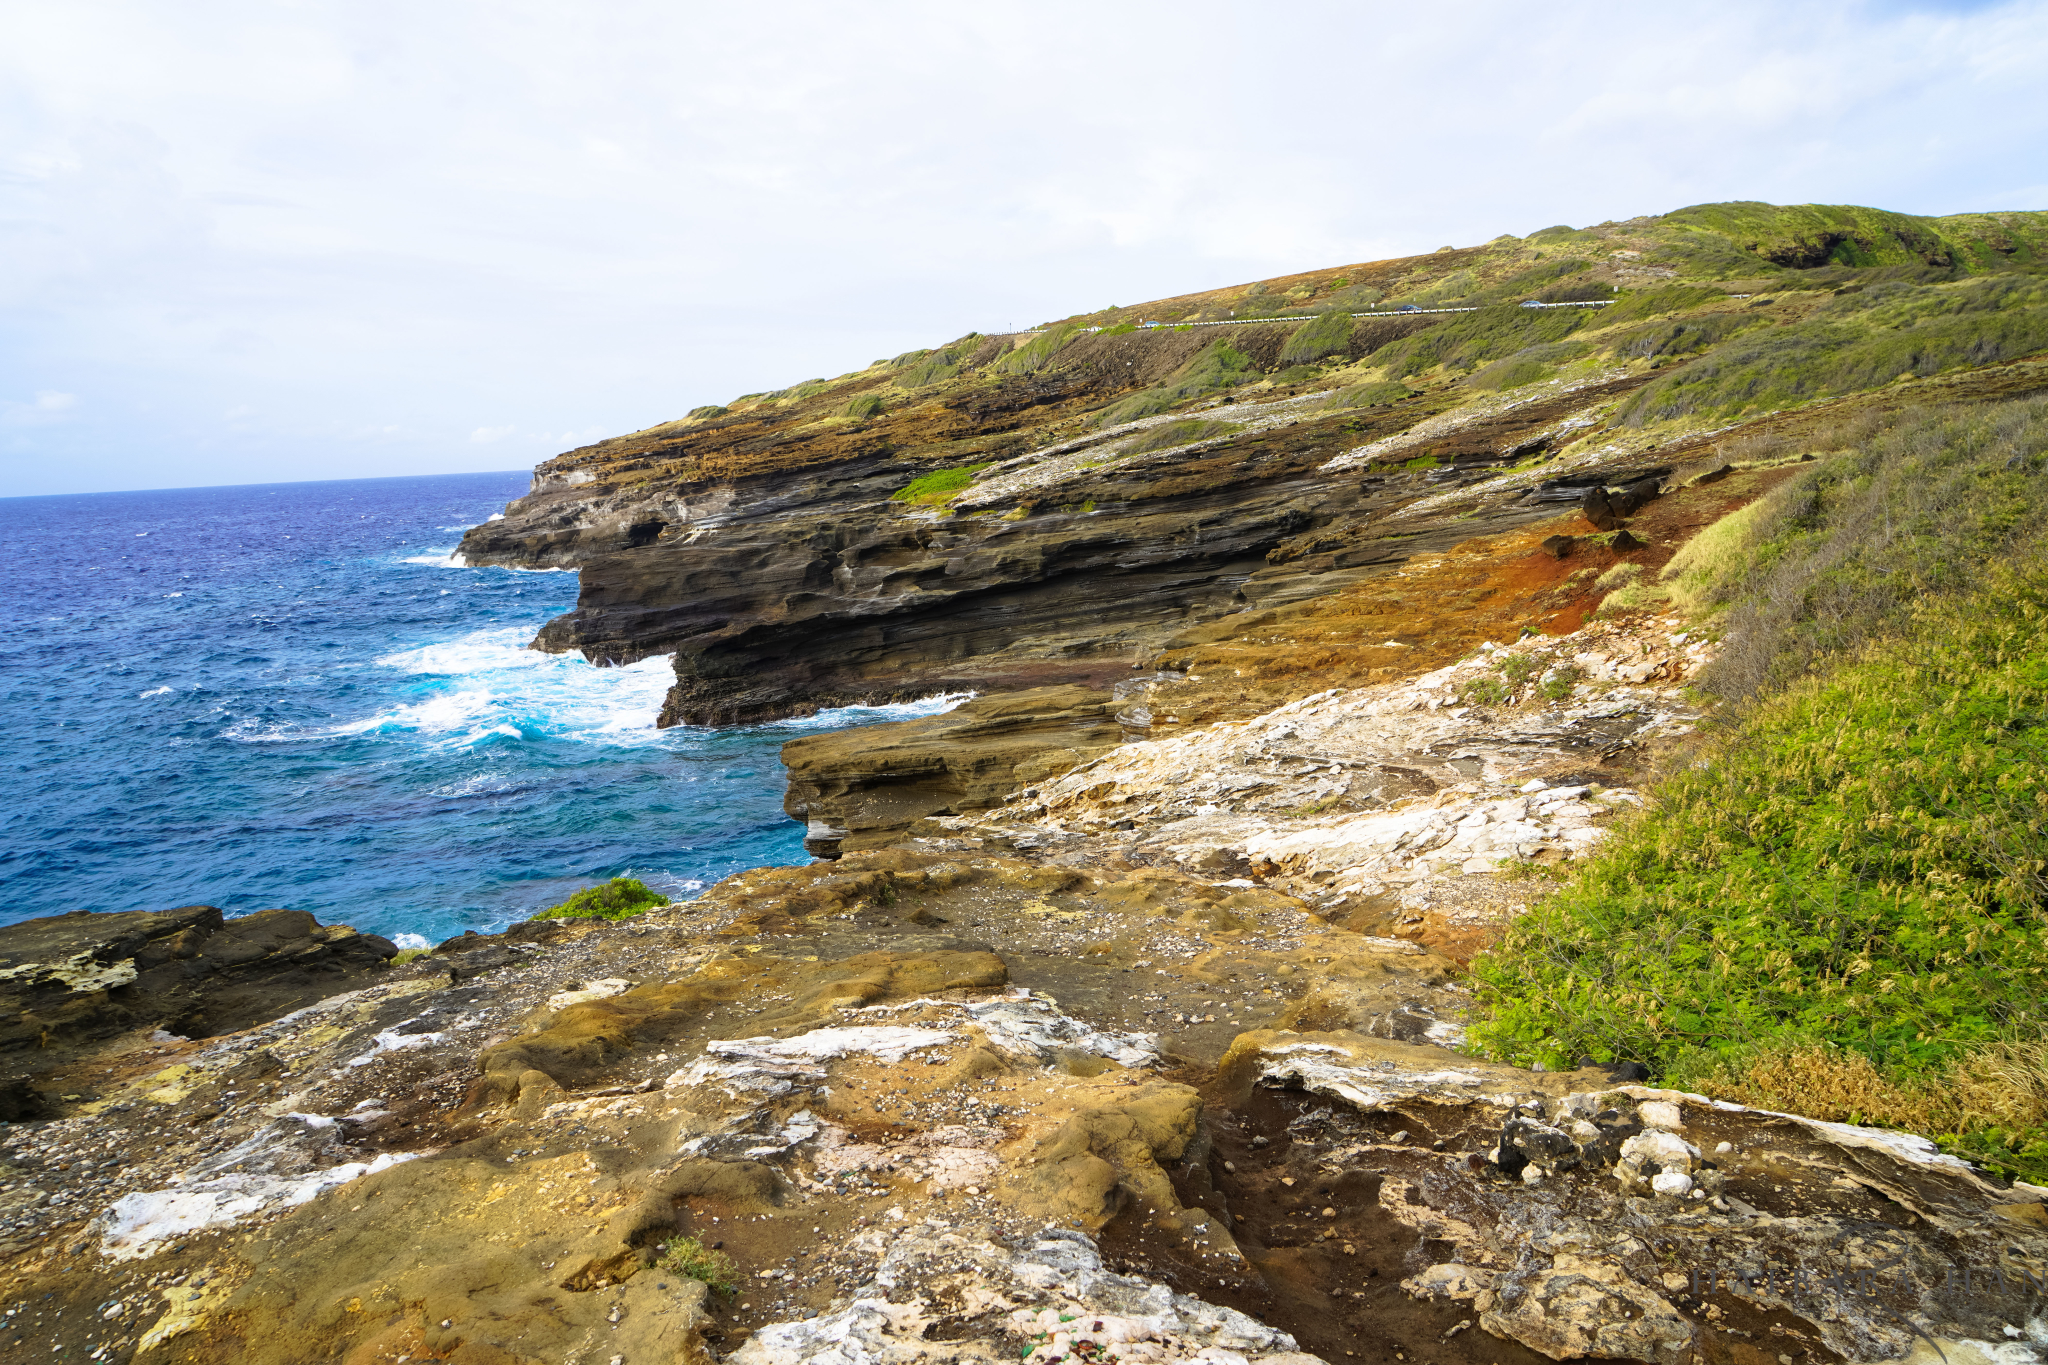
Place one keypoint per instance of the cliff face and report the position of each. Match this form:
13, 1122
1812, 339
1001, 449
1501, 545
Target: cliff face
1054, 506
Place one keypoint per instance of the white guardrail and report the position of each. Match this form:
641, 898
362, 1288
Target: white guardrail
1383, 313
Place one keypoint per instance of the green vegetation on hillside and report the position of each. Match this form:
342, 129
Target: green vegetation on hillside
1842, 906
1369, 395
619, 898
1470, 340
1858, 341
940, 485
1836, 556
1216, 367
1328, 335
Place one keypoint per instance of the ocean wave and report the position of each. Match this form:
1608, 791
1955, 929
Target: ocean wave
155, 692
487, 687
439, 559
839, 717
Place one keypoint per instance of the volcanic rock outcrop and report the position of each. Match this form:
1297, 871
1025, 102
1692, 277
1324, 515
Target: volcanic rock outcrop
1122, 1017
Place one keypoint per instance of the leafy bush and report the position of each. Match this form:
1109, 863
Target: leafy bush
690, 1258
619, 898
1328, 335
1854, 342
1180, 434
1219, 365
1369, 395
1862, 866
940, 485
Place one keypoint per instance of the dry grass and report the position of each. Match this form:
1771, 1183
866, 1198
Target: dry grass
2004, 1085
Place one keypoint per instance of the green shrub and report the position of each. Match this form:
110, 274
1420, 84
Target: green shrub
1423, 462
1328, 335
690, 1258
864, 406
1296, 374
1180, 434
708, 410
1121, 329
406, 955
940, 485
1369, 395
1219, 365
619, 898
1862, 865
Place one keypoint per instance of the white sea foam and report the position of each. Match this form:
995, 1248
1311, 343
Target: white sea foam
440, 559
488, 686
839, 717
406, 942
155, 692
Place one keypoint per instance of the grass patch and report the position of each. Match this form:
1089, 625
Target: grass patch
1473, 339
864, 406
406, 955
619, 898
1423, 462
709, 410
1860, 867
939, 486
1180, 434
1369, 395
690, 1258
1638, 304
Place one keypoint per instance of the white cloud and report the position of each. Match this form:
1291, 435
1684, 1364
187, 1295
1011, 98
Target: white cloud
46, 407
369, 220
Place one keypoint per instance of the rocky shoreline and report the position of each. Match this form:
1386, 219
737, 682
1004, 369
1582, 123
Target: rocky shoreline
1147, 1054
1119, 1016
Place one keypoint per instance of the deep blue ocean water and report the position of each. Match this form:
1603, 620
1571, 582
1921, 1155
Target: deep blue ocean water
287, 695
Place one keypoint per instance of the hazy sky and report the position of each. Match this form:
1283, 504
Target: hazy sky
250, 242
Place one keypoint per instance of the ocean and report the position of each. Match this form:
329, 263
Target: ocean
291, 695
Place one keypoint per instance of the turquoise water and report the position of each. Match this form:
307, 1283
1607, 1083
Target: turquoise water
289, 695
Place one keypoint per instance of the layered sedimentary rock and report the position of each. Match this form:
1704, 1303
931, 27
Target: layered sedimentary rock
68, 978
862, 789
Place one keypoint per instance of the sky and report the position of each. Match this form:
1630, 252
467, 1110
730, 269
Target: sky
247, 241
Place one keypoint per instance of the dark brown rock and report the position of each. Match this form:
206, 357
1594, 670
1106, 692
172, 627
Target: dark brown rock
862, 788
70, 978
1559, 547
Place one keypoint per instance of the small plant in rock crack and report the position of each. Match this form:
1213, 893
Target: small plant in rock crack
1558, 683
1487, 690
690, 1258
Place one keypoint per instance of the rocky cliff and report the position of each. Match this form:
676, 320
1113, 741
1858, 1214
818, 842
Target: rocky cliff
1052, 506
1124, 1017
